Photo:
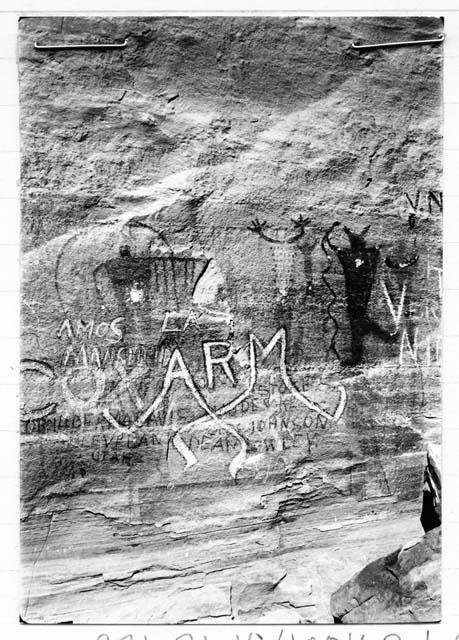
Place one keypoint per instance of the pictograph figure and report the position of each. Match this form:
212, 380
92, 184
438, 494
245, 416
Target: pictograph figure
283, 251
291, 300
130, 276
149, 283
359, 263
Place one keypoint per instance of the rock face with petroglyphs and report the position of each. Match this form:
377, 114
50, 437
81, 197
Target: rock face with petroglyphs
231, 288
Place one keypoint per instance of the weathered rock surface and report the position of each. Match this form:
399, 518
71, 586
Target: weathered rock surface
172, 469
431, 497
404, 586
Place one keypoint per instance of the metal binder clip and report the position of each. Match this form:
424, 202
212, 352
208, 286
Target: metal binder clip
405, 43
55, 47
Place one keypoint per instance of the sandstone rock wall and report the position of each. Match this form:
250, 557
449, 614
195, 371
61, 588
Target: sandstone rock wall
231, 286
405, 586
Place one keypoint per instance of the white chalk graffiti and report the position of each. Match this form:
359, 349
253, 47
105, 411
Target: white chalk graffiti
396, 315
83, 405
424, 350
279, 337
178, 370
94, 378
44, 370
223, 361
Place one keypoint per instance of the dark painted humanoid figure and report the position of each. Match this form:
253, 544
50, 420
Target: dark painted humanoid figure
154, 292
359, 263
130, 278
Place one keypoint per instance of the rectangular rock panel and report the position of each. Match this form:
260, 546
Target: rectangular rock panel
231, 293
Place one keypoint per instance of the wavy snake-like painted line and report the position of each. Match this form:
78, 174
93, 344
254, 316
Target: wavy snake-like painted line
325, 239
